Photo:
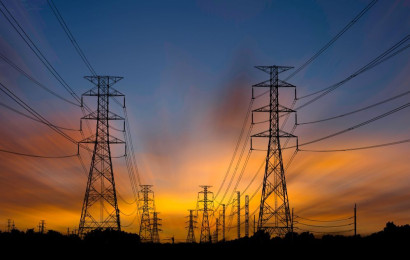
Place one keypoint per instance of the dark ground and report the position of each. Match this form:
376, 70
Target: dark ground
393, 241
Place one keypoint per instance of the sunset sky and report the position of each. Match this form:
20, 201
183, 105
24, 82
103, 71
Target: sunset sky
188, 68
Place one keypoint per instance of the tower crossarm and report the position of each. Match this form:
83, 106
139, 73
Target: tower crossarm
268, 69
268, 108
266, 84
94, 116
92, 140
282, 134
94, 93
109, 80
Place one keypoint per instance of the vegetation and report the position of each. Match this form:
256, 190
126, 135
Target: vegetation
392, 240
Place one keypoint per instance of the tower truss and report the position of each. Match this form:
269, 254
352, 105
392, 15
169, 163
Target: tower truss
146, 200
274, 214
156, 227
100, 206
191, 227
205, 204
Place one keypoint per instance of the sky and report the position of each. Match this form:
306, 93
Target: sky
188, 68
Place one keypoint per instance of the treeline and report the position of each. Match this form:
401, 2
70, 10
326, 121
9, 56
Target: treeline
391, 240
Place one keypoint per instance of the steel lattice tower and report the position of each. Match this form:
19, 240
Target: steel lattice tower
41, 226
191, 227
155, 227
100, 207
246, 216
207, 205
146, 196
216, 233
274, 214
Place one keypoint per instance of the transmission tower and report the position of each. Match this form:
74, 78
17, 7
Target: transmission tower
274, 214
155, 227
246, 216
216, 233
191, 227
146, 196
41, 226
238, 213
223, 222
100, 207
206, 204
10, 225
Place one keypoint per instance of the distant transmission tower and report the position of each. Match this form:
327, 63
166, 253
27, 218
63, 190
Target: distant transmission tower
206, 203
100, 207
274, 214
246, 216
10, 225
41, 226
216, 233
146, 196
155, 227
191, 227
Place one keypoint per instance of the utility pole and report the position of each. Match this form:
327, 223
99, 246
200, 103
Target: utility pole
100, 206
291, 227
155, 227
205, 199
191, 227
223, 222
247, 216
41, 226
254, 224
146, 199
274, 214
355, 220
238, 209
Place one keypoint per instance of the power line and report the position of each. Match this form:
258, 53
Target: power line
132, 222
370, 65
327, 221
327, 45
358, 148
324, 232
378, 60
237, 165
335, 38
130, 214
354, 127
37, 52
70, 35
356, 111
38, 156
333, 226
236, 147
126, 202
34, 119
230, 200
29, 109
13, 65
26, 38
